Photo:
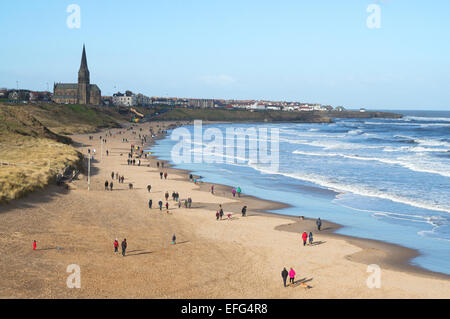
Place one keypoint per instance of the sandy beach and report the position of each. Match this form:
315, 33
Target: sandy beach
238, 258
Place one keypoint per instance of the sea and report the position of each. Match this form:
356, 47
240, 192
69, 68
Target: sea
382, 179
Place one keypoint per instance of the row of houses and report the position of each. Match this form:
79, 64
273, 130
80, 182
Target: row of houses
130, 99
25, 95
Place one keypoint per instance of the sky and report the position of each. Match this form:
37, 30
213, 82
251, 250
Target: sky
321, 51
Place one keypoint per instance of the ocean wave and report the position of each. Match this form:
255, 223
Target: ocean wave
413, 166
427, 119
357, 189
329, 145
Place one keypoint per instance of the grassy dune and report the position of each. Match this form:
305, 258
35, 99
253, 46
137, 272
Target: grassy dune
32, 147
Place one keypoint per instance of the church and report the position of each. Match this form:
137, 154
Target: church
78, 93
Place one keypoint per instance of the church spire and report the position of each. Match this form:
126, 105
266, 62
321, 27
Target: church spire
83, 73
83, 60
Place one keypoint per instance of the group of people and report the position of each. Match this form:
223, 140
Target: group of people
161, 174
237, 191
110, 185
285, 274
124, 246
305, 238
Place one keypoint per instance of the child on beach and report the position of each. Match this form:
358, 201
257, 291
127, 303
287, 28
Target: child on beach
174, 239
217, 215
116, 246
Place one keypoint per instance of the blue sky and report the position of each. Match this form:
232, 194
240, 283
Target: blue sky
312, 51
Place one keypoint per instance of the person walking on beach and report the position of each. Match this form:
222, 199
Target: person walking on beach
111, 186
304, 237
161, 175
149, 187
220, 211
166, 195
167, 207
238, 191
157, 164
165, 175
291, 276
112, 175
244, 211
310, 238
233, 191
318, 223
116, 246
150, 203
124, 246
185, 203
106, 185
190, 177
174, 239
284, 275
160, 203
189, 202
212, 189
217, 215
34, 245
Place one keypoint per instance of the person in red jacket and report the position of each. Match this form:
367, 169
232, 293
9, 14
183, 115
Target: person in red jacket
305, 238
116, 246
34, 245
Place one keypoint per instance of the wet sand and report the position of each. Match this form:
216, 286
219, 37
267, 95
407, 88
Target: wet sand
238, 258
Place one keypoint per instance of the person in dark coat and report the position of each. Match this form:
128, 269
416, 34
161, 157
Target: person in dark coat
124, 246
149, 187
106, 185
244, 211
111, 185
150, 203
284, 275
318, 223
160, 203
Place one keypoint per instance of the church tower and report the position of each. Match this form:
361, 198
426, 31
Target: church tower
83, 81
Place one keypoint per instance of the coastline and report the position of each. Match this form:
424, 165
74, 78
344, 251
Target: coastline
229, 258
386, 255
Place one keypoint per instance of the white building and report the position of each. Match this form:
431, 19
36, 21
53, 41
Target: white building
125, 100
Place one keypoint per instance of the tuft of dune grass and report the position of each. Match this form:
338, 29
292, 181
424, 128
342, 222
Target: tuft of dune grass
31, 163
